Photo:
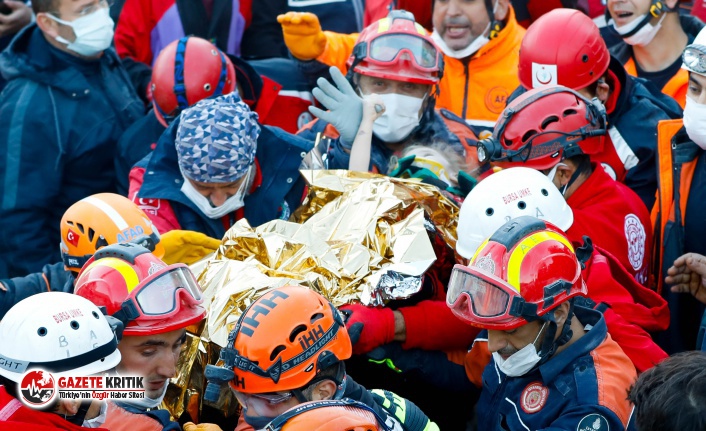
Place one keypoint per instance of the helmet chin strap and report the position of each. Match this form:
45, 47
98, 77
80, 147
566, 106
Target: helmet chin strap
549, 344
572, 180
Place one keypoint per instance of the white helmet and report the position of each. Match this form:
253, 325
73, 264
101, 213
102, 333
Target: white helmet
58, 332
505, 195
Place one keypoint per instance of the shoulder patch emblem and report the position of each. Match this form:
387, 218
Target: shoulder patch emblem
534, 397
635, 235
593, 422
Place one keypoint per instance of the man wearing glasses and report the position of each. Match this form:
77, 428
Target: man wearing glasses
67, 101
681, 199
553, 364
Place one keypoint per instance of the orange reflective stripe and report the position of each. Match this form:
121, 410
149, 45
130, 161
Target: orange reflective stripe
677, 86
614, 373
630, 67
663, 209
518, 254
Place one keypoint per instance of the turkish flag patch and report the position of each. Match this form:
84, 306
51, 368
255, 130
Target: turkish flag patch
72, 238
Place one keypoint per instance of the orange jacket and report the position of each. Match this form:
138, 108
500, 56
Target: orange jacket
670, 208
676, 87
487, 78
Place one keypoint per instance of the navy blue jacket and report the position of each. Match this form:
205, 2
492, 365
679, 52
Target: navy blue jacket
53, 278
582, 388
60, 119
137, 141
279, 155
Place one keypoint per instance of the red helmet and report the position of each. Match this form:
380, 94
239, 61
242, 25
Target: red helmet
329, 415
524, 270
543, 127
575, 59
186, 71
281, 343
399, 49
147, 295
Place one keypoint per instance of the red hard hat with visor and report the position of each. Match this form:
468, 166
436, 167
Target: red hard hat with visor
139, 289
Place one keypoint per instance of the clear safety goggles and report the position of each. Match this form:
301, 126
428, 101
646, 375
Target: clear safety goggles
388, 48
262, 401
480, 297
694, 57
161, 294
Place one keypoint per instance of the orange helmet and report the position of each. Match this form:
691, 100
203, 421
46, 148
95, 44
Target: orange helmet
147, 295
399, 49
543, 127
329, 415
186, 71
100, 220
524, 270
281, 342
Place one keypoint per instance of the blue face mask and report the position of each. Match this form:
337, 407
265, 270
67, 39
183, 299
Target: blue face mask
257, 422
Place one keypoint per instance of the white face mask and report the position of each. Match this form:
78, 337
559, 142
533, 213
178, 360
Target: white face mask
401, 116
94, 32
520, 362
478, 43
231, 204
552, 174
644, 35
97, 421
695, 122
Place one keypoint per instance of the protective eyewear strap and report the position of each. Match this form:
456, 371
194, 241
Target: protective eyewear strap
281, 420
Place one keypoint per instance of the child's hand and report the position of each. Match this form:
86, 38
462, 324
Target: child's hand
373, 108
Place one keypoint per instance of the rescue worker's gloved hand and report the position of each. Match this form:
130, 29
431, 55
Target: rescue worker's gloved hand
345, 106
186, 246
190, 426
407, 413
302, 34
369, 327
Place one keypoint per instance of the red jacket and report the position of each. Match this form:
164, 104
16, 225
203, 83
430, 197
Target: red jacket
615, 218
16, 416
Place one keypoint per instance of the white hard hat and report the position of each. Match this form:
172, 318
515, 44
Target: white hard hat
505, 195
58, 332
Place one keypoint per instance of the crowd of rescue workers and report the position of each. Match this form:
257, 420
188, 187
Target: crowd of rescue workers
566, 137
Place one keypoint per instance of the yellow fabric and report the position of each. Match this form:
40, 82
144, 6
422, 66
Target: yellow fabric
676, 87
185, 246
190, 426
483, 88
302, 34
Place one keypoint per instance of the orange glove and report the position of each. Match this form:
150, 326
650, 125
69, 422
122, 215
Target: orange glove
190, 426
302, 34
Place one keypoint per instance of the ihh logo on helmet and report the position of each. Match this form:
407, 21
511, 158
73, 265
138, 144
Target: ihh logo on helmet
37, 388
